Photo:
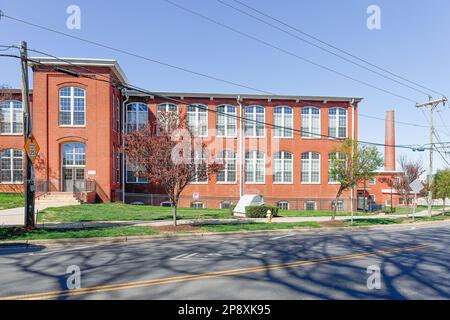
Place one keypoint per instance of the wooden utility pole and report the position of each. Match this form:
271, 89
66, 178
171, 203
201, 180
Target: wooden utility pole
29, 179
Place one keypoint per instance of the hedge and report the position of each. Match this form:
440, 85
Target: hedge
260, 211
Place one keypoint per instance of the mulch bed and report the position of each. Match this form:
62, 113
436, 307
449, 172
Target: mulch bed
332, 224
182, 228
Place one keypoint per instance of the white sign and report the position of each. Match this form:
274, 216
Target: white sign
196, 195
92, 172
416, 186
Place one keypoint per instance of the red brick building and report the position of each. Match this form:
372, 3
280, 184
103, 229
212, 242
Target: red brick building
78, 122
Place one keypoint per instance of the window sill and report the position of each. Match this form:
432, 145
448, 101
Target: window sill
226, 183
17, 183
310, 183
283, 183
11, 134
255, 183
285, 138
69, 126
198, 183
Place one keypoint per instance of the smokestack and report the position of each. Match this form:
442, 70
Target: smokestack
389, 152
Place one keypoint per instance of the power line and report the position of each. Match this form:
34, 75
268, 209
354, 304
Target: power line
137, 55
286, 51
321, 47
335, 47
154, 94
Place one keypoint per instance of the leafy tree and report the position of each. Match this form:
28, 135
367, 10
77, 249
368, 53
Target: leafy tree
169, 156
441, 186
353, 165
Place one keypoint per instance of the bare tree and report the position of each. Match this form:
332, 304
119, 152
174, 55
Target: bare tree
411, 170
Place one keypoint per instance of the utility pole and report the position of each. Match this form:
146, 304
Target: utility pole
29, 183
431, 105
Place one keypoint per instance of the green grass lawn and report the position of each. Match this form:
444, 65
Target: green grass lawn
258, 226
124, 212
384, 221
11, 200
45, 233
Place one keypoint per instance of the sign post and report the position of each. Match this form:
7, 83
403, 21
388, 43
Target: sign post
416, 186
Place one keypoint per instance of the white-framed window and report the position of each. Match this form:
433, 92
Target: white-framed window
283, 122
11, 117
337, 122
401, 201
310, 122
165, 108
334, 156
310, 167
197, 205
228, 174
340, 205
72, 107
254, 121
254, 167
226, 122
114, 164
200, 168
166, 204
118, 169
197, 119
225, 205
137, 116
11, 170
131, 172
283, 205
116, 114
310, 205
283, 167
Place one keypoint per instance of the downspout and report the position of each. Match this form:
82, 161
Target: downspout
125, 93
241, 147
352, 103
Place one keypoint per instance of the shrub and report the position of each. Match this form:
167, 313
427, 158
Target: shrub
231, 208
389, 209
260, 211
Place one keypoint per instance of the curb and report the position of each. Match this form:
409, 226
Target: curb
187, 236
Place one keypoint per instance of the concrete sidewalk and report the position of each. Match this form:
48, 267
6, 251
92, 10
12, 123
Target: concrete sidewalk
16, 216
82, 225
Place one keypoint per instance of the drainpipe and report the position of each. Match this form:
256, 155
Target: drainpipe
241, 147
125, 93
352, 103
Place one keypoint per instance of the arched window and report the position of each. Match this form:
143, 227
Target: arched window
11, 117
283, 164
11, 170
254, 121
137, 116
72, 107
226, 121
165, 121
337, 122
283, 121
228, 174
197, 119
310, 167
310, 122
254, 167
334, 156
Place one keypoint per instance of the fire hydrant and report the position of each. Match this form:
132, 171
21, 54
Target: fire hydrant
269, 216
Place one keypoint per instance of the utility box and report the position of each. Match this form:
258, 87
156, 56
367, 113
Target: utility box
247, 200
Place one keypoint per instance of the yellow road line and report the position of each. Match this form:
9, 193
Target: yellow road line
208, 275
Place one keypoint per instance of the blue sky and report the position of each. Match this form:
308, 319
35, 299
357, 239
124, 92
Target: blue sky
412, 42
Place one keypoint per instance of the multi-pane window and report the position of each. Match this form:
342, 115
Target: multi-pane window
310, 167
197, 119
283, 205
310, 122
228, 174
118, 114
226, 121
340, 205
225, 205
283, 121
283, 164
132, 174
162, 115
197, 205
117, 165
200, 168
137, 116
254, 121
74, 154
254, 167
337, 123
11, 117
310, 205
72, 106
334, 156
11, 166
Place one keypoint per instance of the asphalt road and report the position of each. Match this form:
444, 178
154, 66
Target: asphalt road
414, 264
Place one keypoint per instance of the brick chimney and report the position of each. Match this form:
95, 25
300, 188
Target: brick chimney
389, 152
